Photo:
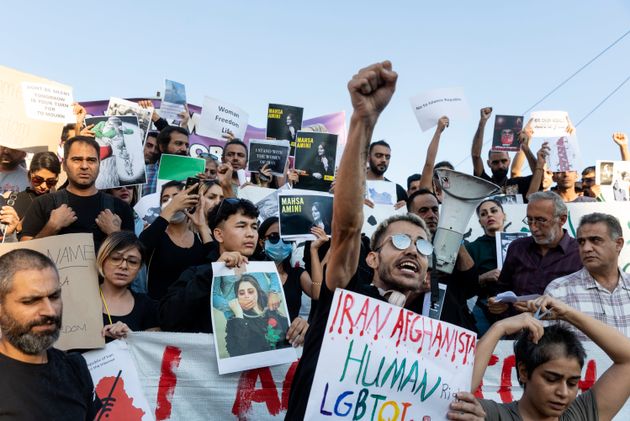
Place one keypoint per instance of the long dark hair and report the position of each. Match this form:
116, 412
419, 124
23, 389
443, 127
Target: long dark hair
262, 296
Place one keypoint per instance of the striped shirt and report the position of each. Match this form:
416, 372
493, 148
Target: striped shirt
582, 292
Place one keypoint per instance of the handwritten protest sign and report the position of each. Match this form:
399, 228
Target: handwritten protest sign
117, 384
380, 361
273, 153
74, 257
430, 106
23, 98
549, 123
219, 118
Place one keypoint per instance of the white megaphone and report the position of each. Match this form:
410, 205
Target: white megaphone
462, 195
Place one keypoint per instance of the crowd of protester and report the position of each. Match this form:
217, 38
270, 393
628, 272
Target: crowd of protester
159, 276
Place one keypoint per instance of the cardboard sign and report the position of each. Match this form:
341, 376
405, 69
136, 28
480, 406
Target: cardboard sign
74, 257
549, 123
23, 98
117, 384
299, 212
248, 333
430, 106
122, 156
380, 360
219, 118
506, 131
179, 167
273, 153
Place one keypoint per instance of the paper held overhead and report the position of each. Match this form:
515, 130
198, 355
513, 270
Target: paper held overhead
430, 106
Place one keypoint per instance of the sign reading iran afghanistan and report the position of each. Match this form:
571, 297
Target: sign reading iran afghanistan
380, 361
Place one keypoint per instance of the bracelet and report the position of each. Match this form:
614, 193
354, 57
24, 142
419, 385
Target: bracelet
317, 283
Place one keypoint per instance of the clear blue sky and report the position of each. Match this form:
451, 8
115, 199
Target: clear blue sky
505, 54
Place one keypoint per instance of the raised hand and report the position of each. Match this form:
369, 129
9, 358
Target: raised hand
620, 138
371, 90
485, 113
443, 123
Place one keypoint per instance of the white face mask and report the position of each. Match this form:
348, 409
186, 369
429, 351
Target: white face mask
178, 217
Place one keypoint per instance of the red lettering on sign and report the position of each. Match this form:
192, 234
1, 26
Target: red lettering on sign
589, 376
286, 385
168, 380
505, 390
246, 393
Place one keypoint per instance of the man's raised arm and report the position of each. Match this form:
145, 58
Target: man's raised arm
370, 92
475, 150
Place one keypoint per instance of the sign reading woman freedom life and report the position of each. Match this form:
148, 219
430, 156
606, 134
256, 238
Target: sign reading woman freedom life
380, 361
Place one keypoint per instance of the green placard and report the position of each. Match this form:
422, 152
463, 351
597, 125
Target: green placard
178, 167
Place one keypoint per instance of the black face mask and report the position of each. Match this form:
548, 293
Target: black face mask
499, 174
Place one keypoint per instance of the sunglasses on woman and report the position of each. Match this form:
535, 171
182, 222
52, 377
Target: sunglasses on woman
37, 180
273, 238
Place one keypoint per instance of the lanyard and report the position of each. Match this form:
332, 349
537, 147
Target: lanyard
105, 305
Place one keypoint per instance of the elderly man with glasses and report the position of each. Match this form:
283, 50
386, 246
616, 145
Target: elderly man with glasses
533, 262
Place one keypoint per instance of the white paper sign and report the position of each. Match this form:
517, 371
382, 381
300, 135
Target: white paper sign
117, 383
374, 216
381, 192
430, 106
392, 359
549, 123
613, 178
564, 154
48, 103
218, 118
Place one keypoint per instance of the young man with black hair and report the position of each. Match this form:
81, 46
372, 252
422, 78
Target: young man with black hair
234, 157
80, 207
38, 382
400, 245
379, 155
549, 363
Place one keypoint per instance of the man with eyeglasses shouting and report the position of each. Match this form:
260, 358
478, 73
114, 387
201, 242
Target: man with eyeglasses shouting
400, 245
533, 262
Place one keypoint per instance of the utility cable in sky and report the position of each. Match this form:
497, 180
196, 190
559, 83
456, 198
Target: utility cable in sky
568, 79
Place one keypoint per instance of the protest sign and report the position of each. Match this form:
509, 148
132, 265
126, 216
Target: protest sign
503, 240
33, 110
219, 118
372, 216
122, 156
179, 167
268, 204
301, 211
173, 101
430, 106
273, 153
74, 256
119, 106
117, 384
180, 380
381, 192
315, 160
506, 131
613, 178
380, 361
148, 208
248, 334
283, 123
564, 154
549, 123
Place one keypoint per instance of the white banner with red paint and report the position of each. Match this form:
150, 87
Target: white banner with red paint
179, 377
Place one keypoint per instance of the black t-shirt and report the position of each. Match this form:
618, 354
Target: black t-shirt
143, 316
293, 292
61, 389
305, 372
401, 193
85, 208
23, 201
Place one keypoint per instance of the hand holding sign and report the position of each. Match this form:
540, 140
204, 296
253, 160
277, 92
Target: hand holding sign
371, 90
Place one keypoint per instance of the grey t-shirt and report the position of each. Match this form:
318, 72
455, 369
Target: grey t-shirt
583, 408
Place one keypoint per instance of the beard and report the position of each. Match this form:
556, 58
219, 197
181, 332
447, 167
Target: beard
376, 170
22, 338
499, 174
